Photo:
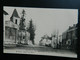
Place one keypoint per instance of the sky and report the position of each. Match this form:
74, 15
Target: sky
47, 20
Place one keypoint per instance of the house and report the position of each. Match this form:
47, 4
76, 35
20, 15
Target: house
15, 20
11, 28
42, 42
72, 37
45, 41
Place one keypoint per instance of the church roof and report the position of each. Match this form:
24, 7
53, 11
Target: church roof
4, 12
15, 13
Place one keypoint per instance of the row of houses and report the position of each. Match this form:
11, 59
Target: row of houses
69, 38
12, 34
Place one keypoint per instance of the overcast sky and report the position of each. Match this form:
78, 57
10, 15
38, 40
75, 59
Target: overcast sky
47, 20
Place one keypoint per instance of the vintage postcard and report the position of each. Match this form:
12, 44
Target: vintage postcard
40, 31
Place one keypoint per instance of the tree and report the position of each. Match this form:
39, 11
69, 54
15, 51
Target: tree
22, 26
22, 21
31, 30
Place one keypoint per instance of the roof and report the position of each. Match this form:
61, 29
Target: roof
15, 13
4, 12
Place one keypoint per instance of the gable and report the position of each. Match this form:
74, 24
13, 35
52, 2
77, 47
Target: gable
15, 14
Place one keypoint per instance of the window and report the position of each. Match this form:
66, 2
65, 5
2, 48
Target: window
16, 21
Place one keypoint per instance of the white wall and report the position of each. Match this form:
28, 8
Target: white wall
18, 20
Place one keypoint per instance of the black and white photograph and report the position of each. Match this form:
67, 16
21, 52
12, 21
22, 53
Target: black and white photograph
40, 31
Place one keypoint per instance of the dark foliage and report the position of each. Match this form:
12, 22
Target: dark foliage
31, 30
22, 25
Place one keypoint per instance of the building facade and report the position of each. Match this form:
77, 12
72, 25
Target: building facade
13, 35
69, 38
11, 29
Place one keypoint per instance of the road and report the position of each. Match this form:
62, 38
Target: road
39, 50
